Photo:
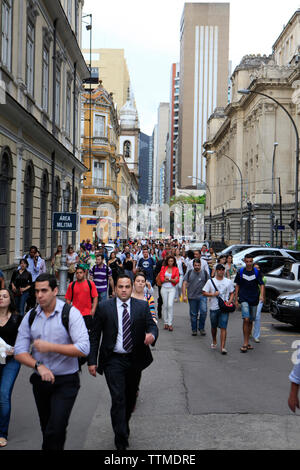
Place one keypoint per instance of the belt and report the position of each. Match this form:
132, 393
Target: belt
122, 354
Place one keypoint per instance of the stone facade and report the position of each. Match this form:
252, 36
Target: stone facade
246, 131
41, 72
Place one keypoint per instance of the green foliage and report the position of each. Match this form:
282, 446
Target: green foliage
188, 199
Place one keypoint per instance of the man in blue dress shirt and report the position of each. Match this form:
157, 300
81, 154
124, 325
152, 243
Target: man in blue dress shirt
54, 359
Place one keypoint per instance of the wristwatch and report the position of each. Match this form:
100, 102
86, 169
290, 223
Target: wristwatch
37, 364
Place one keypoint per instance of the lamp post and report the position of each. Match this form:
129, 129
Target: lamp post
272, 206
210, 215
63, 270
248, 92
211, 152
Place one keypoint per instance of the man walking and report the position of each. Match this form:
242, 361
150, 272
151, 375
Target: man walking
223, 287
248, 294
56, 347
146, 263
194, 281
83, 295
101, 274
127, 330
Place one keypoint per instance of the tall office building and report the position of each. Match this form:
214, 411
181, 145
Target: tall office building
204, 51
145, 169
159, 152
170, 176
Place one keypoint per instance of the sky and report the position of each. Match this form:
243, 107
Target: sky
148, 31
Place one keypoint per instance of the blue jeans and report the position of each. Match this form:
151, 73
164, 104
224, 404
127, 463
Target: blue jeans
196, 306
20, 302
256, 328
8, 375
102, 296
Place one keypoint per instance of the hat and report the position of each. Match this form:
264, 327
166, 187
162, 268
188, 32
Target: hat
220, 267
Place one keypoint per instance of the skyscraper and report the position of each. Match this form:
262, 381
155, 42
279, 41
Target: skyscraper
204, 51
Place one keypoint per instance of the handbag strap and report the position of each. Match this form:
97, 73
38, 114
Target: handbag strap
214, 285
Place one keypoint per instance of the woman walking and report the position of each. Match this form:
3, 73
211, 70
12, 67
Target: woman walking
169, 276
56, 261
9, 324
20, 285
230, 268
140, 292
72, 260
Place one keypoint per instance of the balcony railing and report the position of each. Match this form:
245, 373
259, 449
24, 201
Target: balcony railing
100, 141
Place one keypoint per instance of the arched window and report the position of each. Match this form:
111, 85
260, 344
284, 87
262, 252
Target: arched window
6, 172
44, 210
127, 149
29, 180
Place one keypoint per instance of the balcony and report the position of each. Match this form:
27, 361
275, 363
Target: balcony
100, 141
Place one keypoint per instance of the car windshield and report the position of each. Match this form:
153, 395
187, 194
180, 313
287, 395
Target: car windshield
295, 254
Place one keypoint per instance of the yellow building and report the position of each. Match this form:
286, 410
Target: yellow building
108, 177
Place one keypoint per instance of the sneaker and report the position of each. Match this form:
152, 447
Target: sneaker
257, 340
202, 332
213, 346
224, 351
194, 333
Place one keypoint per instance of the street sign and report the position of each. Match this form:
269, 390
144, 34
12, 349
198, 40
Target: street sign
92, 222
64, 222
281, 227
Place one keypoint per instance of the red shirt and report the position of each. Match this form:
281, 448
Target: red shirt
82, 296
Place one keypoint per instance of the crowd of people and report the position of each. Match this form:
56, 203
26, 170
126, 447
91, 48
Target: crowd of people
110, 318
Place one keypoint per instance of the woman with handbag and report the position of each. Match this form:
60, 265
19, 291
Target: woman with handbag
72, 260
221, 287
20, 285
169, 277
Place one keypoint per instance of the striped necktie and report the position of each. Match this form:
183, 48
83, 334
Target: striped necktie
127, 340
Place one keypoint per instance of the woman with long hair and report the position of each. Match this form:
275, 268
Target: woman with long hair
20, 285
169, 276
9, 368
72, 260
182, 270
141, 292
56, 261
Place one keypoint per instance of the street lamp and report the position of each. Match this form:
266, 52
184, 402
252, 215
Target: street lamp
272, 207
247, 92
212, 152
210, 215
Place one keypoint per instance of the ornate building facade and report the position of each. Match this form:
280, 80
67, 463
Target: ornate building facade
250, 148
41, 72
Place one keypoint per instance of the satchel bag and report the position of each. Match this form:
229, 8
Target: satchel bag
158, 280
223, 306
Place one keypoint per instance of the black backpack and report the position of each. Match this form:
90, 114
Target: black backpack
64, 316
90, 286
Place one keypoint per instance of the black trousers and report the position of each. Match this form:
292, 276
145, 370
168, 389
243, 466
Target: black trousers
123, 382
54, 404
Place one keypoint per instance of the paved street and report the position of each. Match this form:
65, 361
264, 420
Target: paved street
191, 397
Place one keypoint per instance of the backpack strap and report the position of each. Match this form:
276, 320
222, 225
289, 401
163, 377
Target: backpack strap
65, 314
90, 286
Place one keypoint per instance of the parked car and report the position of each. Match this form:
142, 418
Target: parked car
286, 308
234, 249
271, 263
277, 283
259, 251
294, 254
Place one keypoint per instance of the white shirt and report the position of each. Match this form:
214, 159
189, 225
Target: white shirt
225, 288
120, 309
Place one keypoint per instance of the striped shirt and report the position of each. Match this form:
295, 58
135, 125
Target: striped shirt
100, 277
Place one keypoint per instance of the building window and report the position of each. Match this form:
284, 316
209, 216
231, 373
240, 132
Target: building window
5, 194
99, 126
45, 80
44, 210
28, 206
68, 110
127, 149
6, 33
98, 174
55, 208
57, 96
30, 58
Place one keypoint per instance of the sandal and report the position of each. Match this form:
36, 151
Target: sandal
244, 349
249, 347
166, 327
170, 328
3, 442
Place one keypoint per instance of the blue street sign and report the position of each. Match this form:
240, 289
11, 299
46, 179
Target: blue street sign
64, 222
92, 222
281, 227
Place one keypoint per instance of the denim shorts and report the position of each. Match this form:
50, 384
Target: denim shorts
248, 311
219, 319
